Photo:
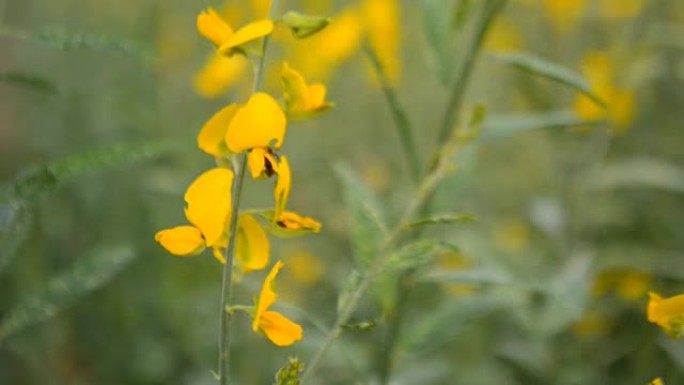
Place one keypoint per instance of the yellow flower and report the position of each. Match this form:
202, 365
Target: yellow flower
258, 124
208, 210
382, 21
263, 163
219, 74
289, 223
277, 328
620, 9
251, 245
319, 54
657, 381
303, 266
630, 285
218, 31
600, 71
505, 36
668, 313
302, 100
564, 14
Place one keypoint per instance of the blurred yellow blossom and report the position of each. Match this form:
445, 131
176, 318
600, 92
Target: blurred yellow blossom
599, 69
302, 100
593, 323
212, 26
504, 36
668, 313
564, 14
382, 24
319, 54
630, 285
511, 235
456, 261
657, 381
277, 328
219, 74
620, 9
303, 266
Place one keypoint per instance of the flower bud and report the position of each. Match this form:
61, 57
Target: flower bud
304, 25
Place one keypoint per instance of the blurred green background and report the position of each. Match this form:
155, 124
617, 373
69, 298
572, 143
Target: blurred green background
579, 212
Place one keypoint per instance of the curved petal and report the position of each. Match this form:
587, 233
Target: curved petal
282, 188
213, 27
252, 248
257, 124
291, 221
210, 138
251, 31
280, 330
209, 203
296, 90
267, 297
181, 240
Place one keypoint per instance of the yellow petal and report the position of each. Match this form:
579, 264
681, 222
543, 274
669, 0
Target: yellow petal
382, 20
181, 240
294, 222
211, 137
283, 185
251, 31
257, 124
256, 162
252, 248
296, 90
209, 203
219, 249
267, 297
219, 74
316, 97
280, 330
213, 27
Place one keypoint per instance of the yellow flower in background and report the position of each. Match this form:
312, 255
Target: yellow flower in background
505, 36
258, 124
668, 313
382, 24
277, 328
303, 266
215, 29
630, 285
208, 210
599, 69
252, 249
620, 9
319, 54
511, 235
219, 74
456, 261
302, 100
564, 14
657, 381
593, 323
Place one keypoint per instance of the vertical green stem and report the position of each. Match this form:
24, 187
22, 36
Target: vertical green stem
401, 120
488, 12
239, 168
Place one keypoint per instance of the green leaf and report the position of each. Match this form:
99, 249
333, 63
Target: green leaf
28, 80
416, 254
16, 222
365, 217
437, 29
470, 277
63, 39
84, 276
500, 127
638, 173
537, 66
350, 285
461, 14
444, 219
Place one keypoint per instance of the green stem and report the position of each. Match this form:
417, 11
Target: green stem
490, 9
239, 167
423, 193
401, 120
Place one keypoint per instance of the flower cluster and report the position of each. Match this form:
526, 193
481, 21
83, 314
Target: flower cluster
249, 137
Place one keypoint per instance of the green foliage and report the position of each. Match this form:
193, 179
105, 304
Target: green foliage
289, 374
443, 219
501, 127
638, 173
416, 254
28, 80
61, 291
537, 66
63, 39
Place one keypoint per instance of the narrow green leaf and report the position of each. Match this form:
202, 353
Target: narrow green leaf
538, 66
500, 127
638, 173
63, 39
469, 277
461, 14
444, 219
437, 30
28, 80
416, 254
365, 217
84, 276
